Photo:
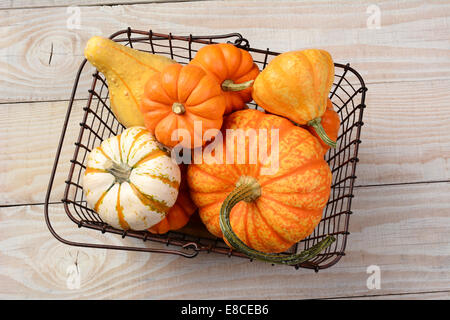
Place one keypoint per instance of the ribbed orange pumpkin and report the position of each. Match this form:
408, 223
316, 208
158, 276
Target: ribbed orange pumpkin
177, 216
330, 122
233, 68
296, 85
177, 98
279, 209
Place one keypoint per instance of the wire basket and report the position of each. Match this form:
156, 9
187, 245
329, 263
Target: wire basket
99, 123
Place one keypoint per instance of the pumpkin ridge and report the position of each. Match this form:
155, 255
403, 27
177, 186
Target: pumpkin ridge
281, 238
206, 206
245, 71
211, 175
141, 146
123, 223
100, 200
232, 73
213, 203
149, 201
244, 77
189, 126
141, 133
287, 106
227, 190
309, 216
315, 82
305, 167
245, 223
328, 81
294, 209
194, 111
250, 215
94, 170
162, 82
282, 134
224, 62
165, 180
210, 217
205, 84
299, 192
155, 153
257, 170
104, 153
218, 76
120, 147
180, 93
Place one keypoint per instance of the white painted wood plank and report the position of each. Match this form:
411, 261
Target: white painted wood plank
19, 4
402, 229
412, 43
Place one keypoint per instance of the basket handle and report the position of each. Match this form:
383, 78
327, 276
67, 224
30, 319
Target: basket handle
190, 245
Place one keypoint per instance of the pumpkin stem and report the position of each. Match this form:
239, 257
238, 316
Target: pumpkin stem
229, 85
178, 108
315, 123
120, 171
248, 189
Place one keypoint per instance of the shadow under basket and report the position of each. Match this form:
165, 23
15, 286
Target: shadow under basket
98, 123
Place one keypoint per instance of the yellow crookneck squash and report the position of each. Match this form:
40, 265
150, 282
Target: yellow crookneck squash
126, 71
258, 213
130, 181
296, 85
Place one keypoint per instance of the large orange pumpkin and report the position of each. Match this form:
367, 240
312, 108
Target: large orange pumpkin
180, 97
233, 68
330, 122
296, 85
261, 214
179, 215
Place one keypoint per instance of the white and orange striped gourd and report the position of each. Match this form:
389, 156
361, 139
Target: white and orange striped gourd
130, 181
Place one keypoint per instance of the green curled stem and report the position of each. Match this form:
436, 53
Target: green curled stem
315, 123
248, 189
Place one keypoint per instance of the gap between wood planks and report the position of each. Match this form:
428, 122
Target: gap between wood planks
389, 295
367, 84
99, 4
355, 187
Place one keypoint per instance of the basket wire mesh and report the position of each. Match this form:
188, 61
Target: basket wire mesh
99, 123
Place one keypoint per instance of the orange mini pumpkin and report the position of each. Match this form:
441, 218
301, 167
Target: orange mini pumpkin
180, 97
296, 85
233, 68
330, 122
259, 213
177, 216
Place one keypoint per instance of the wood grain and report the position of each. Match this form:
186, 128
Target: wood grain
29, 138
20, 4
388, 229
411, 44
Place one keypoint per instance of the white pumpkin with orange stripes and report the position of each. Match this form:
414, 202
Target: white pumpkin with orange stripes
130, 181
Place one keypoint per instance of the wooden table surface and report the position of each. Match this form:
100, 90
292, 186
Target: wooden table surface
401, 220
